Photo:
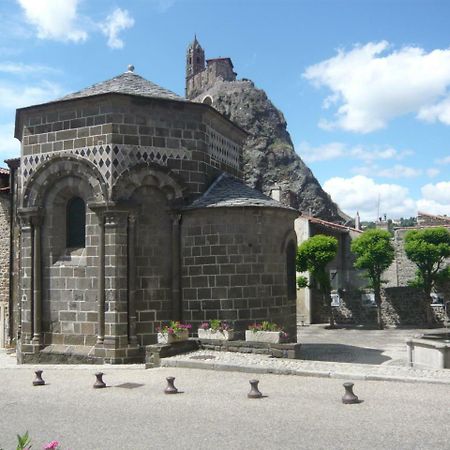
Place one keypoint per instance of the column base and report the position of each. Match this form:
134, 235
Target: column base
131, 354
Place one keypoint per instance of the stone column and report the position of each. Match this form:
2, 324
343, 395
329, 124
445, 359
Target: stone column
132, 338
37, 281
31, 281
101, 279
176, 282
116, 283
26, 285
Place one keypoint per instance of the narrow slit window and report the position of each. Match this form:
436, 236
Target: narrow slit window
291, 251
76, 223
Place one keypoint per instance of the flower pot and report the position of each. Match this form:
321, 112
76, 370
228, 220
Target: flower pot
166, 338
271, 337
224, 335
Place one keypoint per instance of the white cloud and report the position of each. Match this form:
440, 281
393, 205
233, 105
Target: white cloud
438, 112
445, 160
19, 68
399, 171
60, 20
163, 5
119, 20
363, 194
325, 152
9, 146
17, 95
334, 150
369, 86
432, 172
55, 19
439, 193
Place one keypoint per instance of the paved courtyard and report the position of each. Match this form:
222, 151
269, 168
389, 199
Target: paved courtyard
356, 345
213, 411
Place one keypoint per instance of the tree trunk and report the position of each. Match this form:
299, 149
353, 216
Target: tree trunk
379, 314
429, 311
330, 310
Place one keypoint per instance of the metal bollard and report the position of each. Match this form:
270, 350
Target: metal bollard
254, 391
99, 383
349, 397
170, 389
38, 381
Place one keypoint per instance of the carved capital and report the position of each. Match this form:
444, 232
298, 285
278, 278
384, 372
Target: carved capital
30, 216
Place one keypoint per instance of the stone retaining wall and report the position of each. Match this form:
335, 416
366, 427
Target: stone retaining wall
400, 306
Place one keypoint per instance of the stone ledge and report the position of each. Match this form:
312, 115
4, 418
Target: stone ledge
289, 350
154, 353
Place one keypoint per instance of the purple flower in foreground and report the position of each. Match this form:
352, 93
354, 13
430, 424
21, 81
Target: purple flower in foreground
51, 445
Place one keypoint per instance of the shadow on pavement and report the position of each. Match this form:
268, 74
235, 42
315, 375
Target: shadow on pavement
342, 353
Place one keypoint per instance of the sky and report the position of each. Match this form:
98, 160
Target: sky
363, 84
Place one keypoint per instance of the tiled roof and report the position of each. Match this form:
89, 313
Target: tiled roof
227, 191
4, 171
332, 225
126, 83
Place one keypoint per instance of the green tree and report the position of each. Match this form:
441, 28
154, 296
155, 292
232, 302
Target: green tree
427, 249
374, 254
313, 255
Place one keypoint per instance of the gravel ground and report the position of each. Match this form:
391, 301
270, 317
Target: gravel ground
214, 412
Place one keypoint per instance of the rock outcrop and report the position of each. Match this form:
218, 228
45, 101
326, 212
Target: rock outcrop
269, 155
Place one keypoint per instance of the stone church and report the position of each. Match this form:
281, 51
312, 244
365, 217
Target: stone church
129, 210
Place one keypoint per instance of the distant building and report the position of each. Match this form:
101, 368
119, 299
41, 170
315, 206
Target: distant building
199, 76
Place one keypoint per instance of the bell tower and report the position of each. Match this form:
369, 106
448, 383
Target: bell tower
195, 60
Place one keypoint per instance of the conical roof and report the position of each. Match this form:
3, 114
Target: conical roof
227, 191
126, 83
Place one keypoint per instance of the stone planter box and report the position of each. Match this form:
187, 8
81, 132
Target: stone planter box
424, 353
166, 338
271, 337
225, 335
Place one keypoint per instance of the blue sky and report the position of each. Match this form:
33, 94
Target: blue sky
364, 85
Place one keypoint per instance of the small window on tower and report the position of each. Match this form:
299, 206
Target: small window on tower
198, 60
76, 223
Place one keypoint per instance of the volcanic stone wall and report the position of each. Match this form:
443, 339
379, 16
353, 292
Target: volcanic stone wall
116, 132
4, 247
234, 266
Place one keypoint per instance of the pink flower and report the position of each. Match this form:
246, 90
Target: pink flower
51, 445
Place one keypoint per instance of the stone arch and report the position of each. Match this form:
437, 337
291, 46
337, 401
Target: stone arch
58, 167
289, 248
148, 174
208, 100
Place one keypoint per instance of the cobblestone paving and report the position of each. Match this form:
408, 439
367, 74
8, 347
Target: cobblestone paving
203, 359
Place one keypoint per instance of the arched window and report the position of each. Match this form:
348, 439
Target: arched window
76, 223
291, 251
208, 100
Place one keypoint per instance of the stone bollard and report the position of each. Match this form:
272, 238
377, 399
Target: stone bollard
38, 381
170, 389
99, 383
349, 397
254, 391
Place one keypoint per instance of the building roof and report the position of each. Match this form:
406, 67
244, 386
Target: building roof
331, 225
126, 83
433, 216
227, 191
4, 171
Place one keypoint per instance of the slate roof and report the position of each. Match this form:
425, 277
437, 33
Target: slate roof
227, 191
126, 83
